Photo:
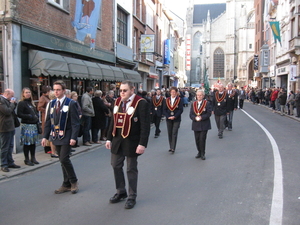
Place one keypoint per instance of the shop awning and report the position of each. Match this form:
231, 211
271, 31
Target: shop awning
153, 75
77, 68
119, 76
44, 63
95, 73
132, 76
107, 72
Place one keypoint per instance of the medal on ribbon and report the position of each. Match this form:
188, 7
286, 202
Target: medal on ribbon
199, 111
218, 99
175, 105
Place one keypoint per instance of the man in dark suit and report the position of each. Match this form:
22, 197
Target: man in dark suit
219, 108
232, 102
156, 109
200, 115
242, 97
62, 126
172, 111
127, 136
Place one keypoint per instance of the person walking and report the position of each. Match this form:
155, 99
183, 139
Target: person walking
200, 113
127, 137
29, 122
219, 108
232, 102
242, 97
62, 127
172, 111
297, 102
7, 129
156, 109
87, 114
291, 103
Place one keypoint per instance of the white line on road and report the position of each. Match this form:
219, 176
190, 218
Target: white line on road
277, 199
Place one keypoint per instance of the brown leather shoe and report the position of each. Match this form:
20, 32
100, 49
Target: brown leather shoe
62, 189
74, 188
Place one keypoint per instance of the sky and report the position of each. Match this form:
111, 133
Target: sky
179, 6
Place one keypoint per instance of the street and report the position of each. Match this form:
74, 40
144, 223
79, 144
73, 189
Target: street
233, 186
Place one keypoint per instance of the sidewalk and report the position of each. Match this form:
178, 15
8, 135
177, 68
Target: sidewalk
43, 158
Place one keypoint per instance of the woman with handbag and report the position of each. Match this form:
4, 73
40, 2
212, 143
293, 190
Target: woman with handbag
29, 126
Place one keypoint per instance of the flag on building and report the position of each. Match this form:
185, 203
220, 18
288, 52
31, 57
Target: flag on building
275, 30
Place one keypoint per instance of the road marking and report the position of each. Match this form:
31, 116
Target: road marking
277, 199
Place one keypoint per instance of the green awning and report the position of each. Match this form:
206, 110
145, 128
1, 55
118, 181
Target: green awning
107, 72
95, 73
48, 64
77, 68
119, 76
132, 76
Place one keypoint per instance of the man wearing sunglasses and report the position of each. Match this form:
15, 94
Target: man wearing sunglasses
127, 138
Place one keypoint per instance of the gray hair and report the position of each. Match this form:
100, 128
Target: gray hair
98, 93
111, 92
200, 91
68, 92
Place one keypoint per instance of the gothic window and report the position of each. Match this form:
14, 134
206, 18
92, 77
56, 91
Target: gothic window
197, 41
218, 63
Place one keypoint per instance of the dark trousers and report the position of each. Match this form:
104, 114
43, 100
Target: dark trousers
95, 132
87, 121
117, 162
69, 175
298, 110
6, 146
220, 122
228, 120
241, 103
156, 121
173, 127
200, 138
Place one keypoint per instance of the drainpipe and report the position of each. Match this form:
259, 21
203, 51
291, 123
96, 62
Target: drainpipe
5, 57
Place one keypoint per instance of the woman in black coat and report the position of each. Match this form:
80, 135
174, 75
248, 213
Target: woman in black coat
29, 119
99, 120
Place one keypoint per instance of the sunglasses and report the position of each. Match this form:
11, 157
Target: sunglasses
123, 90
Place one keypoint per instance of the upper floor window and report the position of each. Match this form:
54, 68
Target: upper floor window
122, 27
150, 17
218, 63
63, 4
137, 8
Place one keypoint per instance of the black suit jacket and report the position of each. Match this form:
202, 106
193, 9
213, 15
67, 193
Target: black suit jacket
72, 127
232, 101
138, 135
177, 112
219, 109
159, 111
204, 123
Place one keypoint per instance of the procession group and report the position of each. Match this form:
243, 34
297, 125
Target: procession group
127, 133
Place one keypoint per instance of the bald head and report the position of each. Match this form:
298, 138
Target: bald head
8, 93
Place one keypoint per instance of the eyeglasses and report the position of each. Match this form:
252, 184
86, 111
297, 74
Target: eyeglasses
123, 90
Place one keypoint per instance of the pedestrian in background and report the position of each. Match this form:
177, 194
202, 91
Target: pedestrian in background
291, 103
42, 105
87, 114
156, 110
232, 102
172, 111
7, 129
242, 97
274, 96
29, 120
62, 127
99, 120
127, 138
282, 101
74, 97
200, 115
297, 102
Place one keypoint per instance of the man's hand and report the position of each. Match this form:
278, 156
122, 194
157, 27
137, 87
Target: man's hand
140, 149
44, 142
72, 142
108, 144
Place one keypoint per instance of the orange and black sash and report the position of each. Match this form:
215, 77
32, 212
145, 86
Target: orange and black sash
199, 111
175, 105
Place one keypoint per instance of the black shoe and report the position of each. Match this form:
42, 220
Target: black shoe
34, 161
73, 150
28, 163
4, 169
54, 156
118, 197
130, 203
198, 156
230, 129
221, 136
170, 150
14, 166
203, 157
156, 136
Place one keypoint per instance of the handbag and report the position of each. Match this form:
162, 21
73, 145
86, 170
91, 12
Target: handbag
39, 127
16, 120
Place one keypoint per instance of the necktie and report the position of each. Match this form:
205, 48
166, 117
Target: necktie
124, 106
58, 107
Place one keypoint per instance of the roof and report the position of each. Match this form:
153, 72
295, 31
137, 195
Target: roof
200, 11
